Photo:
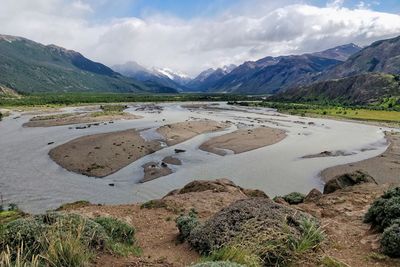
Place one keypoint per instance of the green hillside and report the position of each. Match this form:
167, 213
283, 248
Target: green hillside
27, 66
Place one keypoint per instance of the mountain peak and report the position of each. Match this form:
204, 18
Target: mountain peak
341, 52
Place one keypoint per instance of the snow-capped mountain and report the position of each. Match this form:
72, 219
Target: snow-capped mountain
176, 76
208, 77
153, 77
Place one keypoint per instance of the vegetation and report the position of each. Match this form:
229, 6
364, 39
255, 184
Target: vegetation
328, 261
391, 239
153, 204
73, 205
294, 198
119, 231
273, 247
256, 232
379, 112
218, 264
186, 223
235, 254
57, 239
384, 210
384, 214
57, 99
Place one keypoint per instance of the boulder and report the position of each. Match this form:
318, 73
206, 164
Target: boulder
346, 180
313, 195
219, 185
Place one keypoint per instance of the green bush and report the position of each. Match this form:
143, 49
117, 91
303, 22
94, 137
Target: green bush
66, 249
390, 241
92, 233
186, 223
384, 210
294, 198
236, 255
218, 264
23, 232
54, 236
118, 230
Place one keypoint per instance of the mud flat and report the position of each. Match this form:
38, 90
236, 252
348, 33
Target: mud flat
76, 118
179, 132
384, 168
100, 155
243, 140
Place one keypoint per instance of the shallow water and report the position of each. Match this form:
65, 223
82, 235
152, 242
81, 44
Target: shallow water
31, 179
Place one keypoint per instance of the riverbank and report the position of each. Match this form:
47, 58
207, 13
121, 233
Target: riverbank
384, 168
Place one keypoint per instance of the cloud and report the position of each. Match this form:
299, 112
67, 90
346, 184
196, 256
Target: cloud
242, 33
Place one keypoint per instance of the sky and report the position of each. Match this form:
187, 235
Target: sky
190, 36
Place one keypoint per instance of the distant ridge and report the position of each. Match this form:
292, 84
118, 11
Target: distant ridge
28, 66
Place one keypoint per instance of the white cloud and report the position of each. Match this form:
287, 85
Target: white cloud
237, 35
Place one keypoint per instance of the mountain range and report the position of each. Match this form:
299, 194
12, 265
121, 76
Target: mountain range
365, 77
346, 73
28, 66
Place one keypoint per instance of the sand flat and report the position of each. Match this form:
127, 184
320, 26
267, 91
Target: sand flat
75, 118
179, 132
243, 140
385, 168
100, 155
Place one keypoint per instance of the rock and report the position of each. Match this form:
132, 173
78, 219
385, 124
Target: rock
246, 217
314, 194
348, 179
219, 185
172, 160
254, 193
280, 200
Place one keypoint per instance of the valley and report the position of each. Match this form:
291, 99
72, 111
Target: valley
50, 185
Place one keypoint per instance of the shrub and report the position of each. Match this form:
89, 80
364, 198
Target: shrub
42, 232
311, 236
118, 230
294, 198
153, 204
26, 233
276, 234
384, 210
236, 255
66, 248
13, 207
92, 233
390, 241
186, 223
217, 264
22, 259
